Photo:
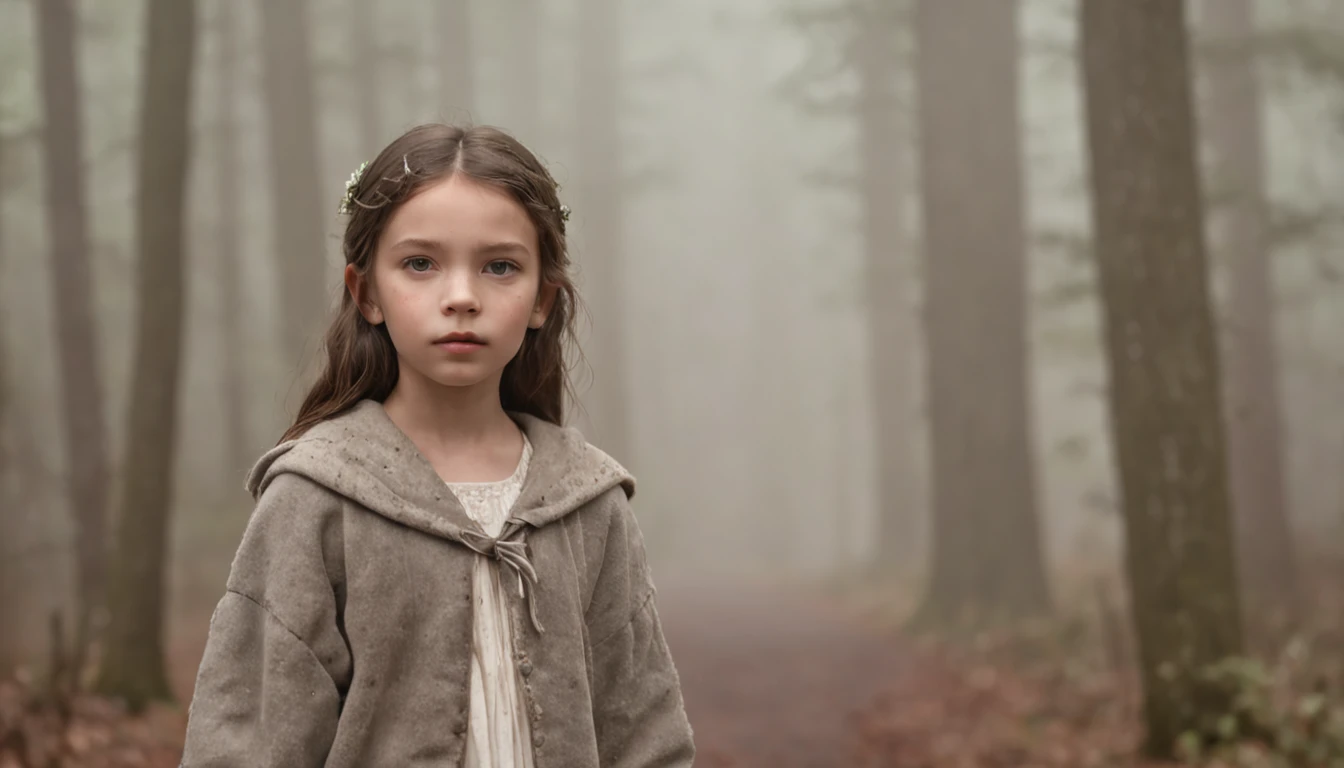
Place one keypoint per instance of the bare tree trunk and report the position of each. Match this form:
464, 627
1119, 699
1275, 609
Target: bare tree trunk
364, 55
1250, 363
987, 562
1165, 402
525, 65
80, 376
291, 127
891, 318
133, 666
230, 225
456, 68
598, 216
10, 517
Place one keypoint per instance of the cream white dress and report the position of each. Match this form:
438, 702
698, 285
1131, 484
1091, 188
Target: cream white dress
498, 735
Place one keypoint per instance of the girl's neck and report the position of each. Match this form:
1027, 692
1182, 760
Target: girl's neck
449, 417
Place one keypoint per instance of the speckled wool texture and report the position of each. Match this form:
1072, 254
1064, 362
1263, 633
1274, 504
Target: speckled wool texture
344, 634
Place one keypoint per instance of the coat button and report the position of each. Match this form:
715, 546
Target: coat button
460, 727
538, 739
525, 668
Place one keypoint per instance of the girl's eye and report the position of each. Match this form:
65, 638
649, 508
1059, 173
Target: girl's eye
419, 264
500, 268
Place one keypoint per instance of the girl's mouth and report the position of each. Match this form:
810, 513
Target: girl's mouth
459, 347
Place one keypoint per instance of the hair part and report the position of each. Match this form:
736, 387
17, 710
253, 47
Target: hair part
361, 362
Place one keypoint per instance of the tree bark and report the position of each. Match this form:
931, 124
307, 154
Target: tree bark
1253, 404
85, 430
987, 562
598, 221
133, 665
291, 128
1165, 402
227, 160
885, 172
456, 68
10, 519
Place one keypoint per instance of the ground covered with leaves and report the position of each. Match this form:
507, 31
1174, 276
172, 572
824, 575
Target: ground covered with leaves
41, 730
1065, 693
779, 678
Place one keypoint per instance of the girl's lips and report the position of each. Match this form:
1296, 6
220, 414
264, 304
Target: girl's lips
459, 347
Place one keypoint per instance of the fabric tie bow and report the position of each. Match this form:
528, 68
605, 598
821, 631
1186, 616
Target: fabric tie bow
512, 553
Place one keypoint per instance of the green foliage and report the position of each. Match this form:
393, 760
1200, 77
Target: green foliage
1266, 723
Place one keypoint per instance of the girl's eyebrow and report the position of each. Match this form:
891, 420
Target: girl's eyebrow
420, 243
502, 247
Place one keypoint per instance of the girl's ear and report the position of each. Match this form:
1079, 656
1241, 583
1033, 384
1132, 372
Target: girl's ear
363, 295
542, 309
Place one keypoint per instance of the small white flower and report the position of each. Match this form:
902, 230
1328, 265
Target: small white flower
348, 202
564, 212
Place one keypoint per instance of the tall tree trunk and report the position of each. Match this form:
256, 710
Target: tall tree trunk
525, 68
987, 562
365, 55
1255, 444
291, 128
227, 159
598, 216
133, 666
80, 377
888, 276
10, 519
1165, 402
456, 68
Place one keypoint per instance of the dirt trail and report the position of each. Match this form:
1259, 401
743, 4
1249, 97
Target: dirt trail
773, 678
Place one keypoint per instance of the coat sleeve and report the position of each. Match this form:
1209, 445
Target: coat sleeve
638, 713
270, 685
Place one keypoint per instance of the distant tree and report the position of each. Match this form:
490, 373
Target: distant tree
292, 138
457, 69
227, 158
523, 68
133, 663
987, 562
873, 43
9, 517
885, 174
80, 376
367, 64
1233, 131
597, 224
1161, 350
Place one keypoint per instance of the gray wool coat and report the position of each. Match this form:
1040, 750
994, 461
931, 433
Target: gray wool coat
344, 636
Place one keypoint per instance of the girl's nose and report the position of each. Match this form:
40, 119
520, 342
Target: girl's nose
461, 297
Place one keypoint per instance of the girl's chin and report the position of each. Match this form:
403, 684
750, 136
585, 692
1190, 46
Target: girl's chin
463, 376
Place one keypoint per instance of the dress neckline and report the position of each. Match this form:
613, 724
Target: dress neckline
518, 472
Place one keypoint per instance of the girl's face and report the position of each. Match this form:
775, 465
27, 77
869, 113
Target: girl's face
457, 279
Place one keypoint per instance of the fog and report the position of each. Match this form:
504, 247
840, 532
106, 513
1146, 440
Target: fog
749, 187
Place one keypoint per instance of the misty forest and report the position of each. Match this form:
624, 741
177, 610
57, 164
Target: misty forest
973, 356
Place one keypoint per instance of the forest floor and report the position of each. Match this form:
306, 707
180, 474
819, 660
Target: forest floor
773, 676
788, 678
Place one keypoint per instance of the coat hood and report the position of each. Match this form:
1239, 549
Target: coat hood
363, 456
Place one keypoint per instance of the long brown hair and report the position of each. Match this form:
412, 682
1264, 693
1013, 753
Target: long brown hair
361, 361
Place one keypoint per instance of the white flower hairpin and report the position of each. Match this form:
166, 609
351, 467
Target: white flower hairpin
351, 184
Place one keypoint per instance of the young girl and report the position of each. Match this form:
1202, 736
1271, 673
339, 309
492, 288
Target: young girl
436, 572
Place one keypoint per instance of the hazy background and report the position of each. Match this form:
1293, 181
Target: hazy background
714, 158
